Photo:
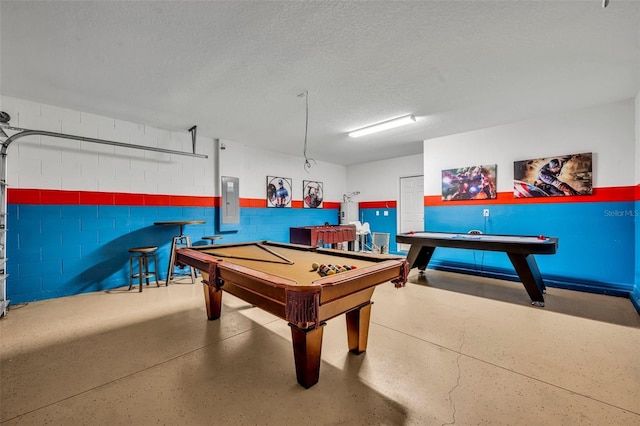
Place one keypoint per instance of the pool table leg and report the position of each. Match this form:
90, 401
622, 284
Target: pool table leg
307, 347
212, 301
358, 328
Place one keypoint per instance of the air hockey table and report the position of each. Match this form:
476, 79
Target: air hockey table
520, 250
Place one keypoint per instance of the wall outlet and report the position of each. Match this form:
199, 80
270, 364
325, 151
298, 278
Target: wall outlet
485, 212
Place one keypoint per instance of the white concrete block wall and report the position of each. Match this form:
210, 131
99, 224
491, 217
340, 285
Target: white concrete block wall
257, 164
181, 141
230, 155
20, 107
28, 121
167, 169
54, 166
58, 114
110, 133
42, 162
80, 129
94, 122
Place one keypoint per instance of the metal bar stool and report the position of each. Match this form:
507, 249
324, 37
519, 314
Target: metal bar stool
179, 242
142, 256
212, 238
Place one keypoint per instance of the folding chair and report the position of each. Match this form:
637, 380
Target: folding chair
380, 242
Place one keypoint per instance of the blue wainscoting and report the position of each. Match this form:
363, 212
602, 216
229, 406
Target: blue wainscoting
62, 250
382, 219
596, 242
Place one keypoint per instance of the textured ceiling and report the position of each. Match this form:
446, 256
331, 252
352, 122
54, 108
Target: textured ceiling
235, 68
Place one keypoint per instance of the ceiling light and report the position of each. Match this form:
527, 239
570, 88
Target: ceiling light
385, 125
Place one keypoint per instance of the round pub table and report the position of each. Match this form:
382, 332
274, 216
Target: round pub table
178, 241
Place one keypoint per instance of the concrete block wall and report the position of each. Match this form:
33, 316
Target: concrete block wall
53, 163
76, 207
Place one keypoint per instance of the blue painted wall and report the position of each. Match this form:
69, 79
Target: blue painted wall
635, 294
61, 250
378, 222
273, 224
596, 242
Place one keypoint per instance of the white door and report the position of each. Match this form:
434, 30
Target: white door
411, 206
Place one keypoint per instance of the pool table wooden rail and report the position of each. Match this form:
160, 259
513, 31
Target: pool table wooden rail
274, 291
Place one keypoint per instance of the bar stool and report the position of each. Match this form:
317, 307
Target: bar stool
179, 241
212, 238
142, 256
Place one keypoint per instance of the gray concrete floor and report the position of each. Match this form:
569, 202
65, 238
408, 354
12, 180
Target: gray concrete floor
446, 349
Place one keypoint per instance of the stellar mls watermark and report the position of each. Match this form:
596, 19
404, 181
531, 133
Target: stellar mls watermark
621, 213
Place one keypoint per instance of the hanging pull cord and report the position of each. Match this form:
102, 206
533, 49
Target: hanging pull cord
307, 161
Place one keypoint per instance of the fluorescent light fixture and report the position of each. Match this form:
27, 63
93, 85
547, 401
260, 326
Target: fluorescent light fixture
385, 125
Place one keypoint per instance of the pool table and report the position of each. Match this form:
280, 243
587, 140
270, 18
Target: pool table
278, 277
519, 249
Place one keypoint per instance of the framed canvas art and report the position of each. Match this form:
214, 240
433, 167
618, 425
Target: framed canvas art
312, 194
469, 183
553, 176
278, 192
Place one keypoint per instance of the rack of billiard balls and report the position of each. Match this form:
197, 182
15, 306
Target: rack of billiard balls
331, 269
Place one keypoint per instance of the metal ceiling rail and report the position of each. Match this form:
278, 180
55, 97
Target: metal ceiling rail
27, 132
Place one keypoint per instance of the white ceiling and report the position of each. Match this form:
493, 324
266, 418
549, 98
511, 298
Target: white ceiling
235, 68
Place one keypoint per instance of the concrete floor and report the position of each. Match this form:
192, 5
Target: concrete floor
446, 349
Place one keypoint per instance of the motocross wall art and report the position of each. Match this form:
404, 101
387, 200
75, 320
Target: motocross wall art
553, 176
469, 183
